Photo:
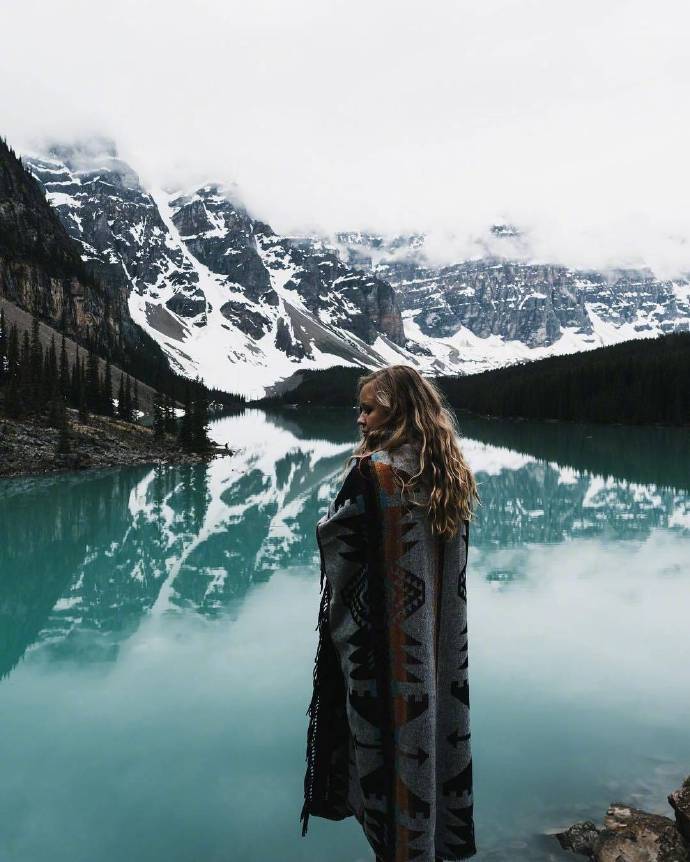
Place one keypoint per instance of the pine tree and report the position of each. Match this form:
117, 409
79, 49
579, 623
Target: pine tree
13, 401
170, 423
64, 382
13, 351
121, 397
75, 382
128, 398
45, 383
93, 384
25, 354
107, 393
57, 412
50, 372
135, 401
200, 438
58, 419
186, 432
3, 345
158, 417
26, 399
35, 369
63, 445
81, 402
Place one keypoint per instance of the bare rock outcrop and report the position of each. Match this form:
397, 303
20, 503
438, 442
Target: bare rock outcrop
679, 800
631, 835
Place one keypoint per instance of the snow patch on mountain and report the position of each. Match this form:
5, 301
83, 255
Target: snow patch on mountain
243, 308
493, 310
227, 299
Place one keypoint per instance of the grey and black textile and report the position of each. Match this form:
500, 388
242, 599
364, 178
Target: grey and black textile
389, 733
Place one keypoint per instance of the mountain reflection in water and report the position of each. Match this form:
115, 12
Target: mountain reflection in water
578, 549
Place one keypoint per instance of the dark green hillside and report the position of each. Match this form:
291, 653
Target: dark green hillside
332, 387
30, 230
637, 382
42, 275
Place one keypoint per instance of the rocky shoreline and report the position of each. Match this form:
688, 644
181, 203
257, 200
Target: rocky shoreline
29, 448
632, 835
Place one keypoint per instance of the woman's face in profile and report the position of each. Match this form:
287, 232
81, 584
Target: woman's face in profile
371, 414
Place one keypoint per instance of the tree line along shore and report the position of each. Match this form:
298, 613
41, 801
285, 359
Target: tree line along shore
60, 414
639, 382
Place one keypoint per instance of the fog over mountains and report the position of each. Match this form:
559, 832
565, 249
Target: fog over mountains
245, 308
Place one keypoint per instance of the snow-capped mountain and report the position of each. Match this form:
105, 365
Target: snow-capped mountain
42, 273
225, 296
492, 311
232, 301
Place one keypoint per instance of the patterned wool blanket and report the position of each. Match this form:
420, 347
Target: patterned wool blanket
389, 737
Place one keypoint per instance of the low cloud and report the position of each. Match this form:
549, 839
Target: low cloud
564, 119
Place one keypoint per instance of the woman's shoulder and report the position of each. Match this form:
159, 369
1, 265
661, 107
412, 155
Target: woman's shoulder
403, 458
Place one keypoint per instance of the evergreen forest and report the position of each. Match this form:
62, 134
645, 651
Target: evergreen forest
640, 382
39, 384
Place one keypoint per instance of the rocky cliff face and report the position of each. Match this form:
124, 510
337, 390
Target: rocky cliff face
229, 299
42, 271
222, 293
222, 236
541, 306
40, 268
118, 228
630, 834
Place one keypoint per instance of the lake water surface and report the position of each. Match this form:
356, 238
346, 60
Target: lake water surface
157, 637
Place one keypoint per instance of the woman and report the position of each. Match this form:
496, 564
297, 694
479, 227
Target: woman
389, 738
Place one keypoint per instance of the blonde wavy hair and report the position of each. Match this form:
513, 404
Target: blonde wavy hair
417, 413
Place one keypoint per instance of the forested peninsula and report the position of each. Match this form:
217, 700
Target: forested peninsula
58, 410
81, 385
640, 382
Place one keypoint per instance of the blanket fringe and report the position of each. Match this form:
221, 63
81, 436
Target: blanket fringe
304, 818
313, 710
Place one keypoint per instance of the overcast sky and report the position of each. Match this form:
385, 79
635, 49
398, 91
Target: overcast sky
569, 118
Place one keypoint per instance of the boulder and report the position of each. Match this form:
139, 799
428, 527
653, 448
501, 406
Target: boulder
679, 800
632, 835
579, 838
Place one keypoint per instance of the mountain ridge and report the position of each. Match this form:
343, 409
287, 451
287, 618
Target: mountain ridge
199, 261
248, 309
42, 273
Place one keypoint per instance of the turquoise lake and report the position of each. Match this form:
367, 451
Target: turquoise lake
157, 638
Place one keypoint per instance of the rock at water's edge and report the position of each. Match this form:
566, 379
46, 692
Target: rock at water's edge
679, 800
579, 838
631, 835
